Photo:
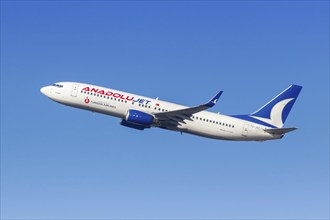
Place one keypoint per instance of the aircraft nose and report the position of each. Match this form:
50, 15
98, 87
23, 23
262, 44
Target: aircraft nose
44, 90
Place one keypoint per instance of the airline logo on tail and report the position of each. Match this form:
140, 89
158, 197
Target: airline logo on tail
277, 110
276, 114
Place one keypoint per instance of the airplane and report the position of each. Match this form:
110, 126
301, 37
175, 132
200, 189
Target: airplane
139, 112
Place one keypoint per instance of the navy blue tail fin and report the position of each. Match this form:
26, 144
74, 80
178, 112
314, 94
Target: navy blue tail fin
277, 110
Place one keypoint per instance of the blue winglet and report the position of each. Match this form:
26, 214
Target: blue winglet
214, 100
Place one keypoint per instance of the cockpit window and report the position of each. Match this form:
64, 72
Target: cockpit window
57, 85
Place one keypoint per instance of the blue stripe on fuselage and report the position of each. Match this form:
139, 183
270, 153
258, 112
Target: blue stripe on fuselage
251, 119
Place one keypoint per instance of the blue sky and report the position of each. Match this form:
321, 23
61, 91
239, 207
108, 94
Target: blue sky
59, 162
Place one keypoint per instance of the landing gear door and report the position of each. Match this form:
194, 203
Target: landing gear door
74, 91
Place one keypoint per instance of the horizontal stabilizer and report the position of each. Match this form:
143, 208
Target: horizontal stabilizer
279, 130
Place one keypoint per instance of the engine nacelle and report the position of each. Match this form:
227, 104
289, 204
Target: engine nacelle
140, 119
133, 125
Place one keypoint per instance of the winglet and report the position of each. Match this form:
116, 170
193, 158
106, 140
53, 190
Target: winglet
214, 100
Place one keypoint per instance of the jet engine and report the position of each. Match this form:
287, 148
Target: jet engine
138, 120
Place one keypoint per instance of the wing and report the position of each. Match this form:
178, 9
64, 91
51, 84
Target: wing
178, 116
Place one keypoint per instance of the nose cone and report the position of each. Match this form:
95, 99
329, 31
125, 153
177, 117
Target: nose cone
45, 90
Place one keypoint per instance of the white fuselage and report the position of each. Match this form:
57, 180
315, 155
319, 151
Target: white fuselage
117, 103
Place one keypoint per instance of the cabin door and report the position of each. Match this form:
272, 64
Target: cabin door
74, 91
245, 130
